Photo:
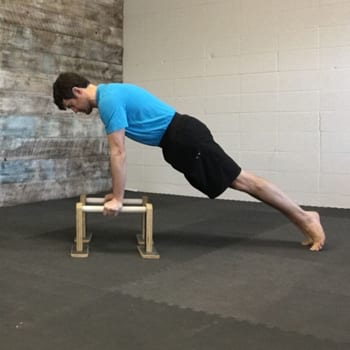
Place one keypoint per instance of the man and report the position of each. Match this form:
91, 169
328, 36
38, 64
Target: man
187, 145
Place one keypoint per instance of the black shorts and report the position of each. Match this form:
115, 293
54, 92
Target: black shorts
189, 147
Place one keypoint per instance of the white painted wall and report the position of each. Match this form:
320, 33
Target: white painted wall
271, 78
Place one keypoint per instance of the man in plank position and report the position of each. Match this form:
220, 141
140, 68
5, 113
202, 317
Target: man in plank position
187, 144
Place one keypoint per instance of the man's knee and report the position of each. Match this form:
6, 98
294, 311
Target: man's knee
247, 182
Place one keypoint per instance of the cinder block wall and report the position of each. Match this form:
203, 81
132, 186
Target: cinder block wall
46, 153
271, 78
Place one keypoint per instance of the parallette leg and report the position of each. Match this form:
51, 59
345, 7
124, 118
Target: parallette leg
141, 237
79, 249
86, 236
147, 250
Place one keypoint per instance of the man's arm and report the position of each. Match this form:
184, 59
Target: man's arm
116, 141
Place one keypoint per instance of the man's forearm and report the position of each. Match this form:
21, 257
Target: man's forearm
118, 171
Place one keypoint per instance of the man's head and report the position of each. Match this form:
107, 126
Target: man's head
70, 90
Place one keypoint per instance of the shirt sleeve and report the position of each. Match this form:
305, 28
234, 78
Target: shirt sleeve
113, 114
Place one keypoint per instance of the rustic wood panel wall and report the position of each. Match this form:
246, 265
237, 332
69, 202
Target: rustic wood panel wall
47, 153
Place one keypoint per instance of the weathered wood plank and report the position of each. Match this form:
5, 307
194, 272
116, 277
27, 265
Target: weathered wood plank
12, 194
22, 82
14, 104
108, 12
37, 170
13, 37
56, 22
64, 126
52, 148
48, 63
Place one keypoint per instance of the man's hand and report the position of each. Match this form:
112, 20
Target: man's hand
112, 207
108, 197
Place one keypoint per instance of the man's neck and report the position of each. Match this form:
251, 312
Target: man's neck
91, 92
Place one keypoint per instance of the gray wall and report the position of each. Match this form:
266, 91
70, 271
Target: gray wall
271, 79
46, 153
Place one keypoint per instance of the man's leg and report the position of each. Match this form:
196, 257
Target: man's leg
307, 221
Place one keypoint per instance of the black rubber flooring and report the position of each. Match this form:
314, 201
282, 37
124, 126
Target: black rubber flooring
232, 275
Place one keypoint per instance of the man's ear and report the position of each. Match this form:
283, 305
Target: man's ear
77, 91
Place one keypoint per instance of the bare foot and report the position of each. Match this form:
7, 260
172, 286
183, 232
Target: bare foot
315, 236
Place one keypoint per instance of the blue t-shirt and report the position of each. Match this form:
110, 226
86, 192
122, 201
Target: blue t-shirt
125, 106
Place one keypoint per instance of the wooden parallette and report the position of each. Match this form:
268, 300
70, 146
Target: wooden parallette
145, 244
